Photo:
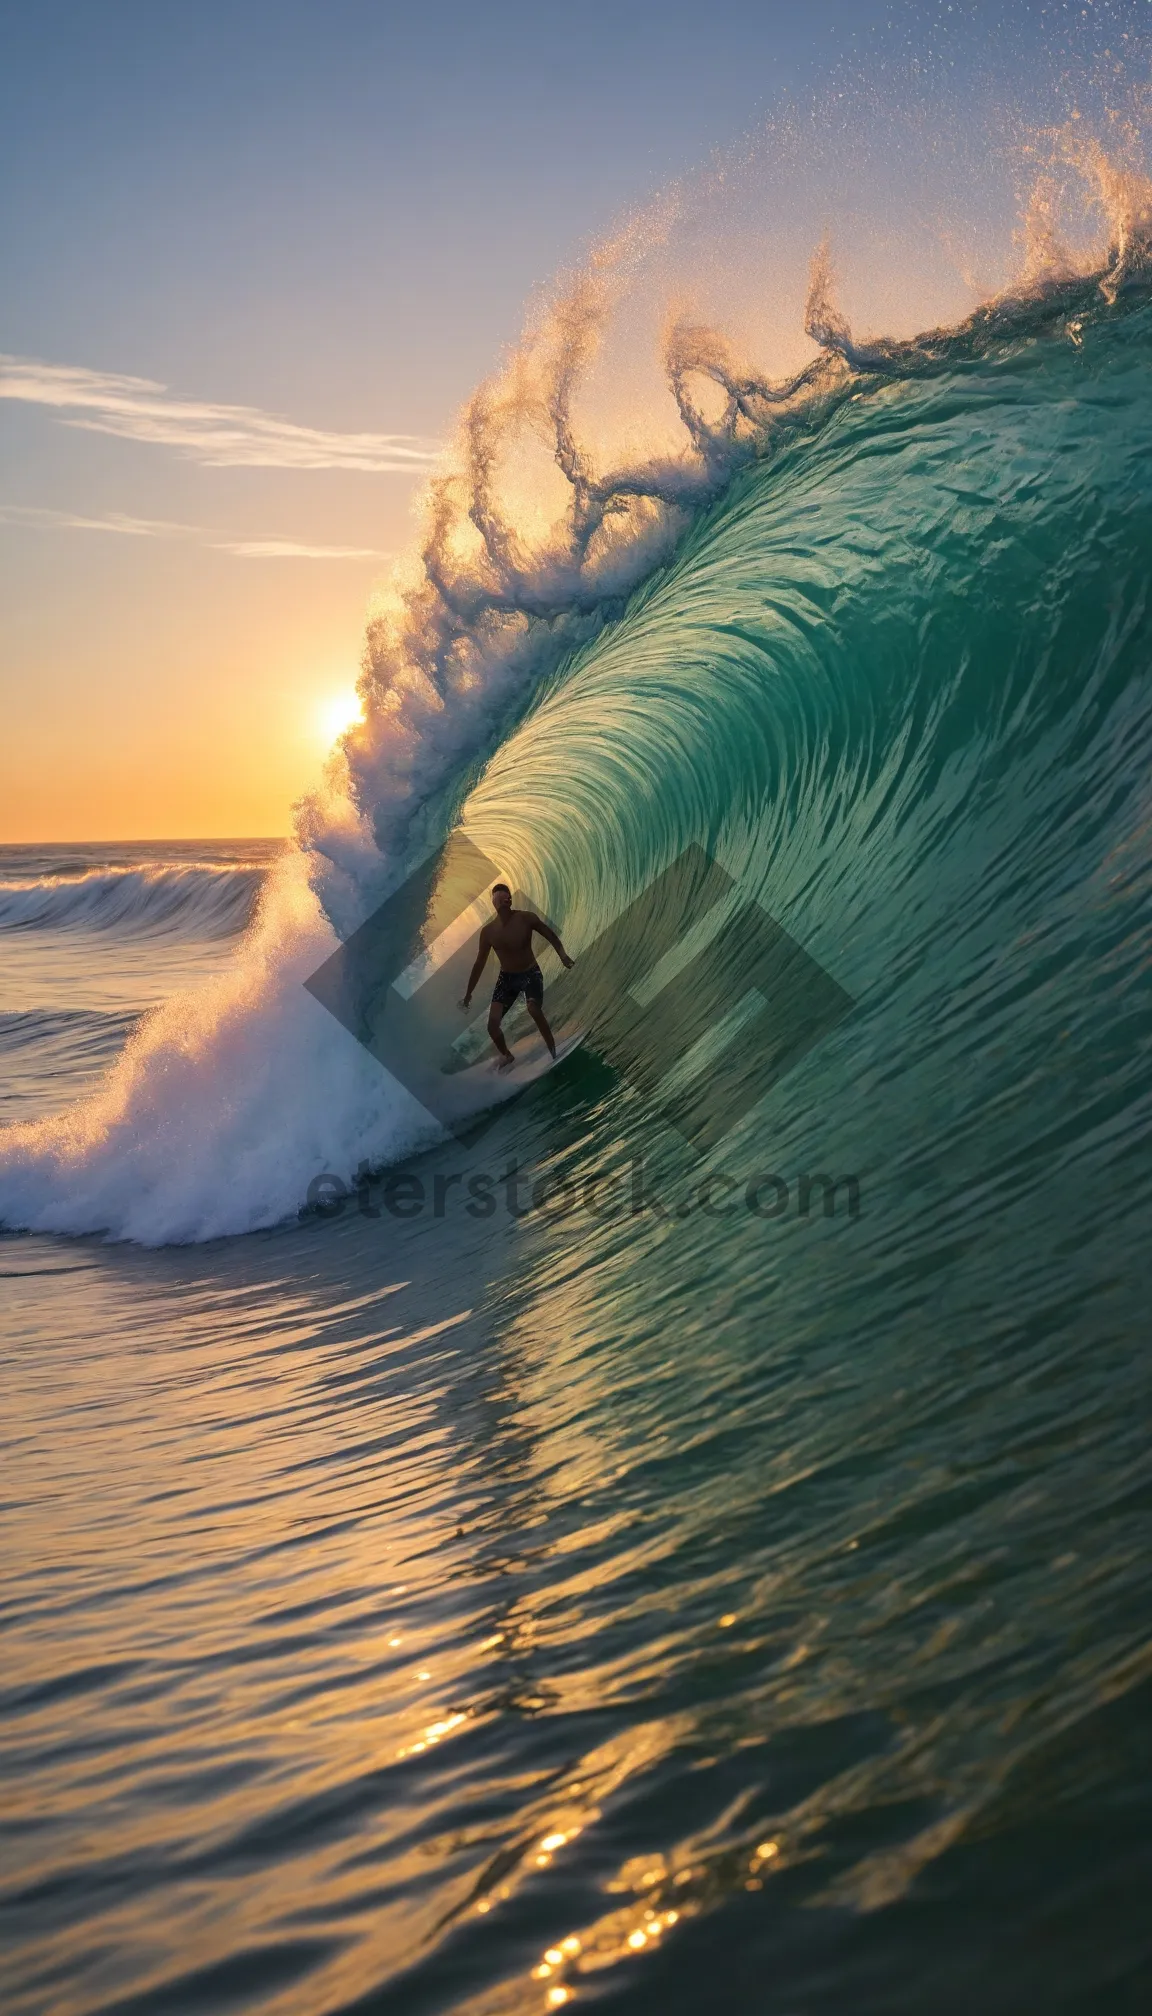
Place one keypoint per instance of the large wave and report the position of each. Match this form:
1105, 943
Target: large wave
861, 627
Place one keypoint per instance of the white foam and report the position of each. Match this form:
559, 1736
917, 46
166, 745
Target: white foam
225, 1105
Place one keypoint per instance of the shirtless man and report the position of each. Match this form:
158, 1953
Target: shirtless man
510, 936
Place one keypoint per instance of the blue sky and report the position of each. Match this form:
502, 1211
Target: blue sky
279, 202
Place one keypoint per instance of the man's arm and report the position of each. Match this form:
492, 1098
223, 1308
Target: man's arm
537, 924
481, 961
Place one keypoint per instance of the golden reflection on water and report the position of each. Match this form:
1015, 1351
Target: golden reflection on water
685, 1889
357, 1558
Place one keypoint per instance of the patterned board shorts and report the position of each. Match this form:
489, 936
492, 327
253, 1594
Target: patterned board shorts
510, 986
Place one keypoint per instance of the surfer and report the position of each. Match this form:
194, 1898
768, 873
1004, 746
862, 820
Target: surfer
509, 935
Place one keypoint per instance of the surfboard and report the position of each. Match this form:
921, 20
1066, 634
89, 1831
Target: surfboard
484, 1084
532, 1060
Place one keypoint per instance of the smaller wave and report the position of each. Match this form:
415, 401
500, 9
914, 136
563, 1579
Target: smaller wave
49, 1056
87, 1028
197, 900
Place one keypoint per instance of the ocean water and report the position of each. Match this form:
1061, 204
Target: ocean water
574, 1574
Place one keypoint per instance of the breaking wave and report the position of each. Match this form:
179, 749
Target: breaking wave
869, 626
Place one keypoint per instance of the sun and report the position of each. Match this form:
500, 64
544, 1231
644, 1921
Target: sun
337, 712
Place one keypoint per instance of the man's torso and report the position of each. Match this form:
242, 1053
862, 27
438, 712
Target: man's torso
511, 939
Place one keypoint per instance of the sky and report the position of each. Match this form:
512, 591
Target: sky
253, 257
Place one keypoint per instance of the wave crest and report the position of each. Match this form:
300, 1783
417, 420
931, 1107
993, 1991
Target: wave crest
512, 575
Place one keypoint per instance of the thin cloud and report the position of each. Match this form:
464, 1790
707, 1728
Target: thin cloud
75, 521
167, 528
221, 437
288, 549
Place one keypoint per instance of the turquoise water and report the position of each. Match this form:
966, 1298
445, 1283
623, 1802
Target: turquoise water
477, 1613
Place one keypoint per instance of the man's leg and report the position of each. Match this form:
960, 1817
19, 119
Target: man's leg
495, 1018
537, 1014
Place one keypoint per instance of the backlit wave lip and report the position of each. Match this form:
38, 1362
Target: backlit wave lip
491, 610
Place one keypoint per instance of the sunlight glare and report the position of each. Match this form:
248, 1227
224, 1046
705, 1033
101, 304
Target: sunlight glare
336, 713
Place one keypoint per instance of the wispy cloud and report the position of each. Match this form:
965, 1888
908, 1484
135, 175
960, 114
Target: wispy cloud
168, 528
290, 549
222, 437
76, 521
